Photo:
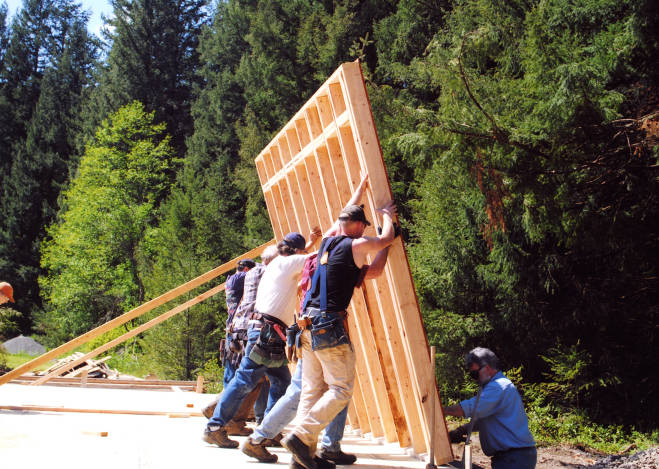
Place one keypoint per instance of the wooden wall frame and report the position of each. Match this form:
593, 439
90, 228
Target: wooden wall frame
307, 173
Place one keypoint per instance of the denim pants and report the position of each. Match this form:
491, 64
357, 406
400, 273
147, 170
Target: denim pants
328, 379
284, 412
522, 458
247, 376
229, 371
262, 401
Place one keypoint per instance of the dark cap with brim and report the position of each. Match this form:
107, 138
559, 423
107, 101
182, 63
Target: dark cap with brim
295, 240
246, 263
354, 213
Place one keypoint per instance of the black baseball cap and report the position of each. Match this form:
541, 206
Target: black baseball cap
246, 263
354, 213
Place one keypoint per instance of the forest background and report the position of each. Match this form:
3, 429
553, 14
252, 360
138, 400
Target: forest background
520, 138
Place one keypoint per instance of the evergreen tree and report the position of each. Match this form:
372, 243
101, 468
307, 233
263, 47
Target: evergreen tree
153, 59
91, 257
47, 69
175, 252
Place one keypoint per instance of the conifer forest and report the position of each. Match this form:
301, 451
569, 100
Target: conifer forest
520, 137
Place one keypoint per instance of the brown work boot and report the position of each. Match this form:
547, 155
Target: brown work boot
257, 451
209, 409
237, 429
274, 442
219, 437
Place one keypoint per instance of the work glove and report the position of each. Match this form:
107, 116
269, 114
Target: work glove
458, 435
397, 230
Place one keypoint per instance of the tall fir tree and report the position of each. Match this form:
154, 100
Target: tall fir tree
46, 71
153, 58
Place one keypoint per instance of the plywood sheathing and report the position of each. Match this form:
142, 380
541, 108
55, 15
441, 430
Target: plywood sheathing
307, 173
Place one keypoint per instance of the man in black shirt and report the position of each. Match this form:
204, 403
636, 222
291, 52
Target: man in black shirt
328, 373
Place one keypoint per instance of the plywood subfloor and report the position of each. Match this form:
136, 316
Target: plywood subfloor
72, 440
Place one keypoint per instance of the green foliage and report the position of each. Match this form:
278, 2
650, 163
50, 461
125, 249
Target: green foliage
45, 57
91, 256
9, 323
153, 59
213, 374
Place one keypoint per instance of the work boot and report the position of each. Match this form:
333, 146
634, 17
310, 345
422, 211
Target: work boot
219, 437
300, 451
209, 409
320, 464
274, 442
237, 429
257, 451
338, 457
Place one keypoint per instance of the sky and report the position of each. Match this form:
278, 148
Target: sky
96, 7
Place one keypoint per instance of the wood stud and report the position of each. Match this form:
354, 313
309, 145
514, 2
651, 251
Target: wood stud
324, 148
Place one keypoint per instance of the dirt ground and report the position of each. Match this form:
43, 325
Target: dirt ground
567, 457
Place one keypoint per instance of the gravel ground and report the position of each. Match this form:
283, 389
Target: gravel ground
648, 459
570, 457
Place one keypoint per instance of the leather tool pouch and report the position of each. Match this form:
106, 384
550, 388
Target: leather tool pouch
269, 349
327, 330
291, 340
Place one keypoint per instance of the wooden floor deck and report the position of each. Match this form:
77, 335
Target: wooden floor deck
56, 439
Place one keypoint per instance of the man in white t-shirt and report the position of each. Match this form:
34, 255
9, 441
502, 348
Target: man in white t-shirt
264, 355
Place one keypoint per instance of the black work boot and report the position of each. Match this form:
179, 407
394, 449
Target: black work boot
219, 437
320, 464
300, 451
338, 457
257, 451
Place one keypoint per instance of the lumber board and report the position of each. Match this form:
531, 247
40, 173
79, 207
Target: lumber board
109, 381
38, 408
397, 269
132, 314
132, 333
307, 172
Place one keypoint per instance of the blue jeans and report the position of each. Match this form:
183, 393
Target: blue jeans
262, 402
247, 376
229, 371
284, 412
522, 458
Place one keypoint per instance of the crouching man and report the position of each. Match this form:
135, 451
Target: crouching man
497, 413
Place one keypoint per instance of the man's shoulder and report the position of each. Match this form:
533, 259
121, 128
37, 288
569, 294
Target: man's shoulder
501, 381
255, 271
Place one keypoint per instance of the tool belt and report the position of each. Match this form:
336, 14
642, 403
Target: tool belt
232, 348
328, 329
269, 349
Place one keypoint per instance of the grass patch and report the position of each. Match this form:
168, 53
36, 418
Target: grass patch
15, 360
550, 426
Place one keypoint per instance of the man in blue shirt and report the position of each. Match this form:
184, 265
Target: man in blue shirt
498, 414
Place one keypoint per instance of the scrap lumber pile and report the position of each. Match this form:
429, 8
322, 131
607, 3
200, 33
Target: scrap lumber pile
90, 368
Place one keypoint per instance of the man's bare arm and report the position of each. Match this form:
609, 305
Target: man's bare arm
377, 266
313, 237
366, 244
354, 200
